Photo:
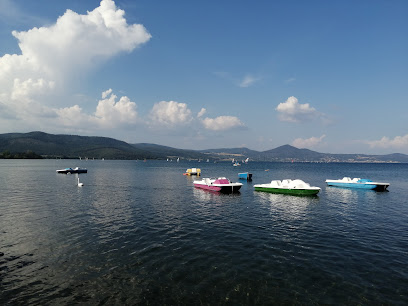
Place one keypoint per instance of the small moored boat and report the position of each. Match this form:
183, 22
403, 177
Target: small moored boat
193, 171
347, 182
292, 187
72, 170
245, 176
221, 184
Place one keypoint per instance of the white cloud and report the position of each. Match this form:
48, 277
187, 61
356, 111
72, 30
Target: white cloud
292, 111
222, 123
72, 116
78, 40
170, 114
248, 81
106, 93
53, 56
308, 143
397, 143
109, 113
26, 90
201, 112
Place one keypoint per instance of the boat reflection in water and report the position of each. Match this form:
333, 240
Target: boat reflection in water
206, 196
284, 207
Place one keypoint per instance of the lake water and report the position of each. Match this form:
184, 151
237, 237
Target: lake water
140, 233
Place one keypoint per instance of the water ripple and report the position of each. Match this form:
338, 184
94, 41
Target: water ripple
150, 237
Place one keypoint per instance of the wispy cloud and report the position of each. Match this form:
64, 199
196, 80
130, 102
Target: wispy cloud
11, 13
290, 80
201, 112
222, 123
308, 142
248, 80
398, 142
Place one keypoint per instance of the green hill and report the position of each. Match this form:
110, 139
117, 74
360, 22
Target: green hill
71, 146
30, 145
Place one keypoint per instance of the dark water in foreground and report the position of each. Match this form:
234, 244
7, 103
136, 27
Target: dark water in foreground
139, 233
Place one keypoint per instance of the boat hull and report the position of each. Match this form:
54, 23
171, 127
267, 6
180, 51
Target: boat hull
193, 171
71, 171
205, 187
224, 189
378, 187
302, 192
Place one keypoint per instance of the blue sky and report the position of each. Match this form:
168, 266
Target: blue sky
330, 76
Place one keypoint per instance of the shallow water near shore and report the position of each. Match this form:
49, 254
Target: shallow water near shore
140, 233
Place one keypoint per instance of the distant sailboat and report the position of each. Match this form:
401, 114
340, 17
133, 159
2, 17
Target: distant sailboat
178, 159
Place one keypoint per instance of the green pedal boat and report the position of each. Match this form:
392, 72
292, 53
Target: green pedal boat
292, 187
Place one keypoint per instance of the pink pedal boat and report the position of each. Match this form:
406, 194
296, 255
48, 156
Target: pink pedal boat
221, 184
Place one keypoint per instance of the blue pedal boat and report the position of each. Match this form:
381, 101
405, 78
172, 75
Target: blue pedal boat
245, 176
347, 182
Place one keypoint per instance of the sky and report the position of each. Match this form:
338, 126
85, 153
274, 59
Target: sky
330, 76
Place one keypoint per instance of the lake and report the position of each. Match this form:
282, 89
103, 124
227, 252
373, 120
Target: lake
140, 233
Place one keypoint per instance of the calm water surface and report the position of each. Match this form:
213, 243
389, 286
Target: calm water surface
140, 233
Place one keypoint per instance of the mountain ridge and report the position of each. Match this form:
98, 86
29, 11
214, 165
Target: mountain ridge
75, 146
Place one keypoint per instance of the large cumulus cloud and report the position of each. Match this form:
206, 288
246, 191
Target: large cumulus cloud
52, 56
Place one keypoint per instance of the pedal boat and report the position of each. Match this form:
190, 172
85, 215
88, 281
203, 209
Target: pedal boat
72, 170
221, 184
292, 187
193, 171
347, 182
